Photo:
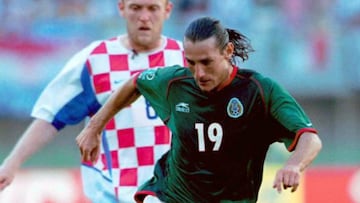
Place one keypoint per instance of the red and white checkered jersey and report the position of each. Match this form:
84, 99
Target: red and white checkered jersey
135, 138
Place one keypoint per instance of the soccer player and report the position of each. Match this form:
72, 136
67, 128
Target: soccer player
135, 138
222, 118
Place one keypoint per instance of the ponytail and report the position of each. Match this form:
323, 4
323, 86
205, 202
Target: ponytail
242, 45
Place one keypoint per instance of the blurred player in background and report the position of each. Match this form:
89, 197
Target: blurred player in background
223, 119
134, 139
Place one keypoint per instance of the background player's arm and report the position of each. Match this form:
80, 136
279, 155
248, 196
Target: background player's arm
38, 134
89, 138
306, 150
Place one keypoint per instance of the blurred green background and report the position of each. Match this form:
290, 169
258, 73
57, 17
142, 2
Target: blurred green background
310, 47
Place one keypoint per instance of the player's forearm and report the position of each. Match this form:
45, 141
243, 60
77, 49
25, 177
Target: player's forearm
38, 134
307, 148
124, 96
121, 98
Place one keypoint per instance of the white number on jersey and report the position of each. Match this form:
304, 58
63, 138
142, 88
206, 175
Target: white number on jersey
214, 133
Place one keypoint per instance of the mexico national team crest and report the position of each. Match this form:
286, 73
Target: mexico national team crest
235, 108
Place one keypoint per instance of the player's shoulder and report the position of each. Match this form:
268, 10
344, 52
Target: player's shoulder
99, 42
165, 73
173, 44
249, 73
172, 71
108, 45
176, 71
254, 75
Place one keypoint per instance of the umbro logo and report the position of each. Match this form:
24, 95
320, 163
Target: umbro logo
182, 107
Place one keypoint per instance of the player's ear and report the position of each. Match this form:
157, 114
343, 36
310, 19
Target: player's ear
229, 50
121, 6
168, 9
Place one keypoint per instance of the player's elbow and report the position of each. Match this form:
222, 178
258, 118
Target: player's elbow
315, 146
317, 143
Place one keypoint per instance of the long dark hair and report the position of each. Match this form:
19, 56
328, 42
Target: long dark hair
206, 27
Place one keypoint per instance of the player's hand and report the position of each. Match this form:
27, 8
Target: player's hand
89, 144
287, 177
6, 176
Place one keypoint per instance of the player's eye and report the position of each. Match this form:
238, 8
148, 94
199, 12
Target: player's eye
135, 7
190, 62
206, 62
154, 8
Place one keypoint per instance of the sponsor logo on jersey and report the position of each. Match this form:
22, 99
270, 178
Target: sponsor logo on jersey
235, 109
182, 107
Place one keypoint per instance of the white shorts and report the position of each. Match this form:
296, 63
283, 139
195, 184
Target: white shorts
97, 188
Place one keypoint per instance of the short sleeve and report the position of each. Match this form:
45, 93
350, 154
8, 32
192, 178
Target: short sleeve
62, 100
289, 118
153, 84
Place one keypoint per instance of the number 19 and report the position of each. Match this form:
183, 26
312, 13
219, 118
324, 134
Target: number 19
214, 133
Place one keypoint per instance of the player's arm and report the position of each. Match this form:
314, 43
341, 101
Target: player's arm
41, 131
307, 148
89, 138
38, 134
302, 138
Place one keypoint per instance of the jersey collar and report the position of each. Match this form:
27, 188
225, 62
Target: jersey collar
228, 81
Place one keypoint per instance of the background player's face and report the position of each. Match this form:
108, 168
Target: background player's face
209, 65
144, 21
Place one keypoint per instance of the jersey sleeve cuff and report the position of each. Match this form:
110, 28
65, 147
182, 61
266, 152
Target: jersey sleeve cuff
298, 135
48, 117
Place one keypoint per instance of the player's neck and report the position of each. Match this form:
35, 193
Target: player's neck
230, 76
141, 48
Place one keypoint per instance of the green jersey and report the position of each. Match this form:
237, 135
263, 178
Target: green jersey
219, 139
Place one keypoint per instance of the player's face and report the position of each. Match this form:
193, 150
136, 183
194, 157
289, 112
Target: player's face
209, 65
144, 21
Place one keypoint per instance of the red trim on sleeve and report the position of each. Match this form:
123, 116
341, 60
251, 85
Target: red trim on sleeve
297, 137
140, 195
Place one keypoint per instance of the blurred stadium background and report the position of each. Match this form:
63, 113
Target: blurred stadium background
310, 47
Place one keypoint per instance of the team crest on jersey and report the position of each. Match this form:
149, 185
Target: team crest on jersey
235, 108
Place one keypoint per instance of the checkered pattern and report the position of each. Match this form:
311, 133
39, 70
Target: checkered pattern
135, 138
